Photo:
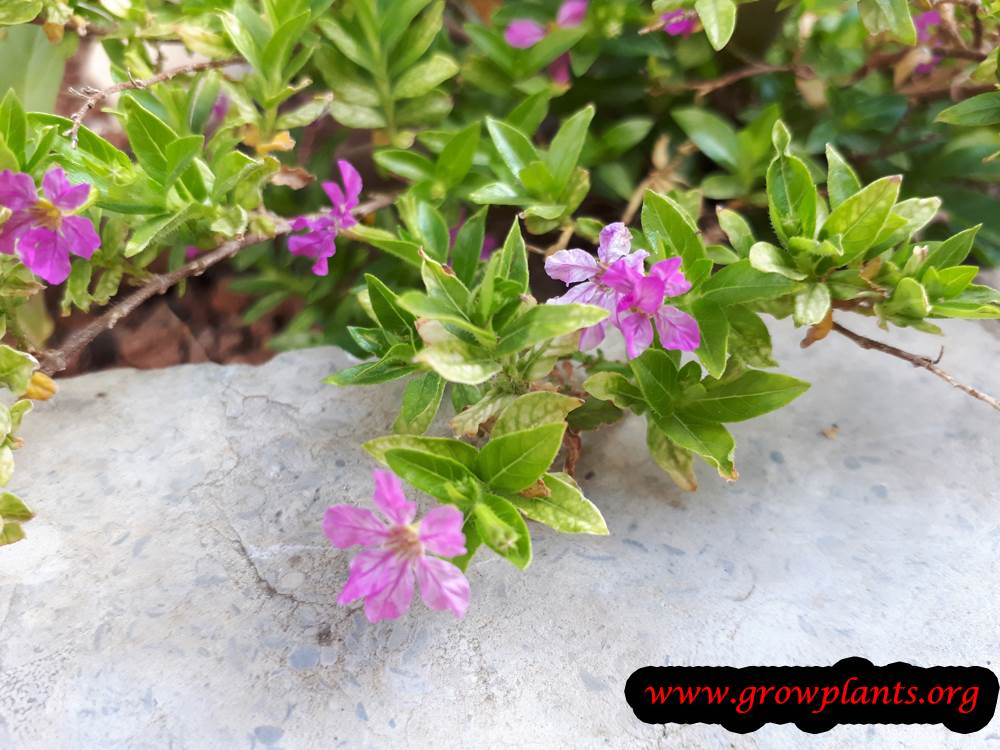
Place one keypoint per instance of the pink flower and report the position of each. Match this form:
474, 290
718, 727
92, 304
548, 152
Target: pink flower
616, 281
524, 33
679, 22
319, 240
924, 23
559, 70
643, 307
395, 552
41, 230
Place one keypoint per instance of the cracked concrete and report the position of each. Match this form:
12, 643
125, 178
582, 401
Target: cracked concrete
176, 590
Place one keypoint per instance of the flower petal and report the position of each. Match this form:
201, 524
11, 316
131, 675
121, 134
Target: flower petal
442, 585
571, 266
61, 193
78, 236
12, 230
560, 71
441, 531
593, 336
616, 242
524, 33
371, 571
621, 276
43, 254
638, 333
352, 182
390, 499
677, 329
17, 191
395, 597
581, 294
669, 272
346, 525
571, 13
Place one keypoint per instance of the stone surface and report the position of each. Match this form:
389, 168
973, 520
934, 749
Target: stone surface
176, 590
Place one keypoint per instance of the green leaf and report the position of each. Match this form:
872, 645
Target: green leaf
675, 461
10, 533
383, 240
459, 362
543, 322
749, 339
514, 148
892, 16
516, 460
456, 157
737, 230
158, 230
710, 440
512, 263
664, 220
423, 306
421, 401
179, 155
811, 305
656, 375
356, 115
19, 11
564, 151
858, 221
417, 38
908, 300
750, 395
16, 369
767, 258
792, 198
534, 409
565, 508
468, 247
983, 109
842, 181
6, 465
424, 77
455, 450
13, 123
149, 137
395, 364
304, 114
503, 530
715, 137
719, 19
434, 233
740, 283
436, 475
953, 250
13, 509
407, 164
616, 388
385, 305
713, 351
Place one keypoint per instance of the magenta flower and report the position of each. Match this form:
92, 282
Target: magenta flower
41, 230
643, 307
679, 22
604, 279
925, 22
523, 33
616, 281
319, 240
395, 552
559, 70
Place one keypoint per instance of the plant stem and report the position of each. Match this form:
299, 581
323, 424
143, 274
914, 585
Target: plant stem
917, 361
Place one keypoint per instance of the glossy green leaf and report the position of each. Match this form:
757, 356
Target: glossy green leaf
503, 530
534, 409
719, 19
564, 509
516, 460
421, 401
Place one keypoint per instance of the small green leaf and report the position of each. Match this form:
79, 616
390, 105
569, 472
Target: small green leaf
421, 401
710, 440
715, 137
512, 260
543, 322
513, 146
983, 109
792, 197
750, 395
664, 220
516, 460
740, 283
406, 164
19, 11
459, 362
675, 461
534, 409
356, 115
953, 250
468, 247
13, 509
564, 509
454, 450
811, 305
385, 306
456, 158
503, 530
719, 19
564, 151
737, 230
858, 221
424, 77
16, 369
767, 258
749, 339
713, 351
656, 374
436, 475
908, 300
395, 364
892, 16
842, 181
158, 230
616, 388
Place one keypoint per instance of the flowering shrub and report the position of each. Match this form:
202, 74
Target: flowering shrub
509, 192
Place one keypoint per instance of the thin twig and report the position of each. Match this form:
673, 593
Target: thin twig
704, 88
61, 358
96, 96
931, 365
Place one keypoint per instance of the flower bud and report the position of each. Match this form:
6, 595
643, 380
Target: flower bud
41, 387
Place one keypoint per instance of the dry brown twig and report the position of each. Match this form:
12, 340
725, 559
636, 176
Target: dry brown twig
54, 361
931, 365
93, 96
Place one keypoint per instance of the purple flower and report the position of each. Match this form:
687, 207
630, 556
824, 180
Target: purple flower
643, 307
679, 22
395, 551
41, 230
559, 70
616, 281
319, 240
524, 33
925, 22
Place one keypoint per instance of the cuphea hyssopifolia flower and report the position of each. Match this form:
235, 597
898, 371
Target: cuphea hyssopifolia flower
395, 552
319, 240
616, 280
926, 23
42, 230
524, 32
679, 22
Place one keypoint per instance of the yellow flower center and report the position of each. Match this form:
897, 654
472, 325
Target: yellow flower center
47, 215
404, 541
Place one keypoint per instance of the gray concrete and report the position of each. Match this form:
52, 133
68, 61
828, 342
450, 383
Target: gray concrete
176, 590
